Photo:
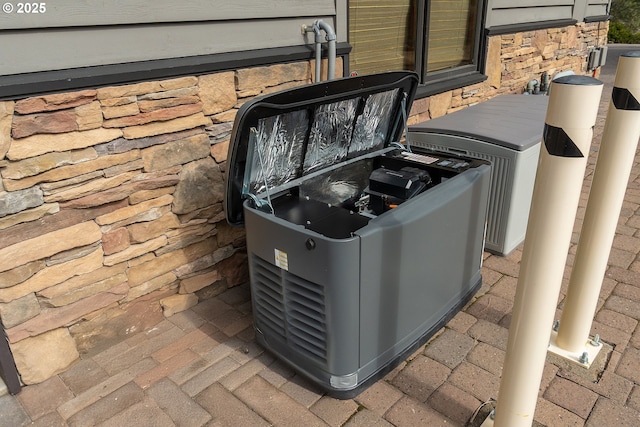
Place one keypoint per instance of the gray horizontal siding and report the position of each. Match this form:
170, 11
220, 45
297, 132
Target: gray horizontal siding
73, 34
45, 50
72, 13
529, 4
511, 12
597, 8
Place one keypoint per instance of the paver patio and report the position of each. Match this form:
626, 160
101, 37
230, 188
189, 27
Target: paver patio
201, 368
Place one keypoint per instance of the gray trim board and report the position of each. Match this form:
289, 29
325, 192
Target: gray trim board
600, 18
29, 84
529, 26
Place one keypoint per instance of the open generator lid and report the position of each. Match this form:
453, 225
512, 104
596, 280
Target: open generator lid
284, 136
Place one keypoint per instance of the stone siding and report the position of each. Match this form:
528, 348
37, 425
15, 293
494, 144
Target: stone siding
111, 209
111, 199
512, 60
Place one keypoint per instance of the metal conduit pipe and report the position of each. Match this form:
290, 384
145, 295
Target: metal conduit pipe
331, 52
318, 48
330, 36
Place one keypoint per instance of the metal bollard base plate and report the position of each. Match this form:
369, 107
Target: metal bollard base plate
583, 357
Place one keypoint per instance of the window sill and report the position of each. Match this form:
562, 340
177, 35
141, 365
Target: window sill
455, 82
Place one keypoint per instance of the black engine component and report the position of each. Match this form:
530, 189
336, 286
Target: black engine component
389, 188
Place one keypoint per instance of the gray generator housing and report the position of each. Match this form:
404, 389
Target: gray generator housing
343, 289
507, 131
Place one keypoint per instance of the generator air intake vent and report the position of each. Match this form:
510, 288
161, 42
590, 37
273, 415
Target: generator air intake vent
306, 316
268, 297
302, 325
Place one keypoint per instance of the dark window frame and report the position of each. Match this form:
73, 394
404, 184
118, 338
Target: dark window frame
453, 78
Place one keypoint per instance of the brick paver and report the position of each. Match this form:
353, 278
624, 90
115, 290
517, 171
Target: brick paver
246, 371
277, 374
481, 384
610, 385
409, 412
421, 377
505, 288
461, 322
276, 406
12, 413
616, 320
548, 374
165, 368
202, 367
624, 306
334, 412
634, 398
193, 337
366, 418
52, 419
44, 397
83, 375
550, 414
615, 337
103, 389
139, 415
226, 409
488, 358
379, 397
450, 348
629, 366
127, 358
108, 406
609, 413
455, 403
628, 291
183, 410
571, 396
635, 337
491, 308
302, 391
490, 333
502, 265
187, 320
209, 376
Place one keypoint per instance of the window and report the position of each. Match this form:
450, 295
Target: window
439, 39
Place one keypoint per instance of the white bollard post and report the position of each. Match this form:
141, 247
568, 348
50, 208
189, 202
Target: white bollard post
615, 160
571, 115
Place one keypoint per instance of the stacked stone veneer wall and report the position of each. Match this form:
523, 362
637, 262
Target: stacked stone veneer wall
110, 199
110, 209
512, 60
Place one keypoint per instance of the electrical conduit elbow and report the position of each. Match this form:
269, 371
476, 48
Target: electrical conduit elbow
330, 36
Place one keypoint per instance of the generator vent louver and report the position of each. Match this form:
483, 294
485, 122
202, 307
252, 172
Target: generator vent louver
268, 297
498, 196
291, 308
306, 315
